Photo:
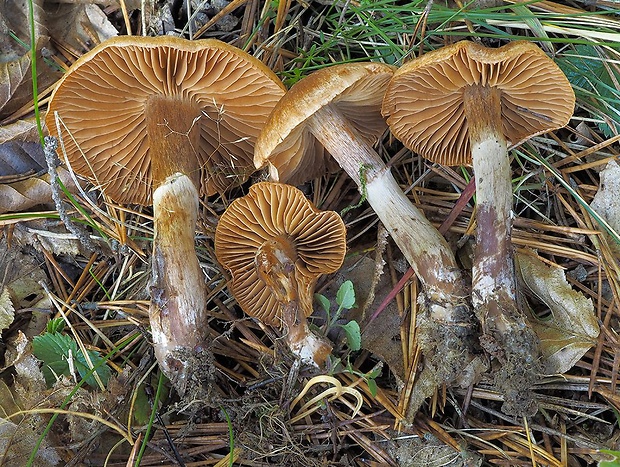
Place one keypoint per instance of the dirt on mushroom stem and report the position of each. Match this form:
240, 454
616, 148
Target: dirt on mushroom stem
506, 333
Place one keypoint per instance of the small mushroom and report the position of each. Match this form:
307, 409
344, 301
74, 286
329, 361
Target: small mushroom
338, 109
162, 120
276, 245
465, 104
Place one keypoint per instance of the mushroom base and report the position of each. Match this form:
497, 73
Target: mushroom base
310, 348
178, 313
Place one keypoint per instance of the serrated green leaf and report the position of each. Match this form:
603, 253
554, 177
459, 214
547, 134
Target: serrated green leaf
372, 387
345, 298
354, 335
51, 347
56, 350
81, 364
323, 301
612, 463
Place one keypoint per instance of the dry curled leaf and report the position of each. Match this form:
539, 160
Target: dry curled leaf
77, 24
20, 433
21, 158
13, 75
572, 328
15, 57
21, 130
607, 200
7, 311
21, 288
24, 181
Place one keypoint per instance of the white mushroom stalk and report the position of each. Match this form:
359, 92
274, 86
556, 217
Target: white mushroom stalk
426, 250
178, 311
446, 327
464, 104
178, 294
494, 280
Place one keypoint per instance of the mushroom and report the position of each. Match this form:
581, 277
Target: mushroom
162, 120
276, 245
338, 109
466, 103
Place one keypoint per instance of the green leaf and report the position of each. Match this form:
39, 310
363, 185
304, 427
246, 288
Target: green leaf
56, 350
354, 335
323, 301
81, 363
55, 325
142, 407
372, 387
374, 373
345, 298
612, 463
53, 350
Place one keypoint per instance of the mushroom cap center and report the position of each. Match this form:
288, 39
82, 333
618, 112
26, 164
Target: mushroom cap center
275, 262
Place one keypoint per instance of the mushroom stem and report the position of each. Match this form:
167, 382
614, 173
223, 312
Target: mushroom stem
275, 261
178, 296
174, 135
506, 334
424, 247
446, 328
493, 272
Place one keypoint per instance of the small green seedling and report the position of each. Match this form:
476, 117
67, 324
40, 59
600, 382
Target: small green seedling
345, 299
369, 377
55, 325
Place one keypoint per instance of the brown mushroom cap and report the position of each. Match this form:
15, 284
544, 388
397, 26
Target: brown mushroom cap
275, 214
101, 103
424, 101
293, 154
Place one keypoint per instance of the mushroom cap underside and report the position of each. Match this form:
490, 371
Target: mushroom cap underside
424, 100
286, 145
276, 211
100, 104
